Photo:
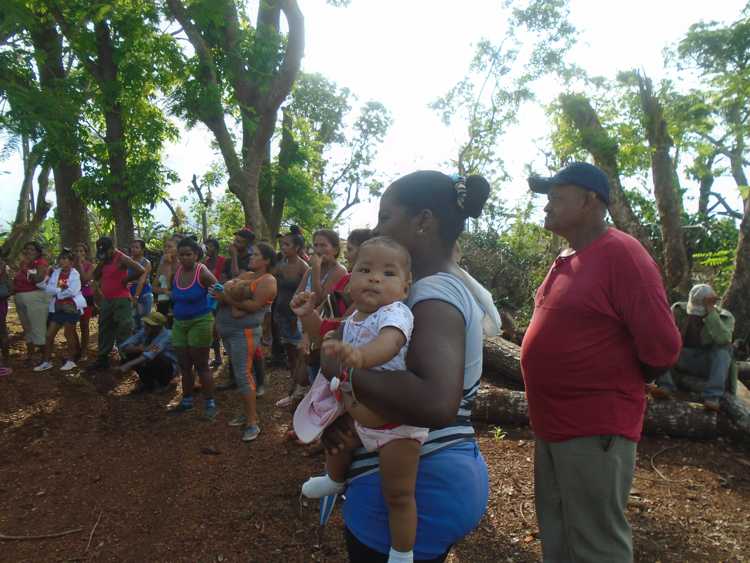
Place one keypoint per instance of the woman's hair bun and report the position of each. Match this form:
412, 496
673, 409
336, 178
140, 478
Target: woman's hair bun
477, 192
295, 230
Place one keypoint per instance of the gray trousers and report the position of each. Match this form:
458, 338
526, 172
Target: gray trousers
711, 364
581, 489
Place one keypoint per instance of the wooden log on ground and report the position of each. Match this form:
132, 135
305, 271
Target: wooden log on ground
495, 405
502, 367
736, 423
502, 362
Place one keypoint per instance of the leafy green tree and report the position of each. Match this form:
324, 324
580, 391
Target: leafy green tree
119, 48
241, 71
320, 160
721, 56
44, 99
501, 78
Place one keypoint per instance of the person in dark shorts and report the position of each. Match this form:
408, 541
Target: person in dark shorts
65, 309
289, 273
163, 281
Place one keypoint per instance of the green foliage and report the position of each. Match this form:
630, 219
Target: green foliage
324, 168
226, 218
498, 434
717, 267
147, 64
511, 263
49, 235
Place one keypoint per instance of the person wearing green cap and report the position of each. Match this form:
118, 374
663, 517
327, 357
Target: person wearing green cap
149, 352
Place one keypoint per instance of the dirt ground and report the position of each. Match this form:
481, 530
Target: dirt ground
139, 484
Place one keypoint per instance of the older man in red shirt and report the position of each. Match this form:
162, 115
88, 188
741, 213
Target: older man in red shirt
601, 329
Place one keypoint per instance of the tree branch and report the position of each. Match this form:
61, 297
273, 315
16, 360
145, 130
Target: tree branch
198, 190
349, 202
172, 210
281, 85
728, 211
71, 34
231, 39
214, 116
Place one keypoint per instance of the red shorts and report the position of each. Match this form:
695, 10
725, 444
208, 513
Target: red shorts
88, 312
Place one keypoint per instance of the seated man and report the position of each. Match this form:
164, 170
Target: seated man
706, 345
149, 352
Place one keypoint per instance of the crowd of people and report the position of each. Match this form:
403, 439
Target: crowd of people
384, 352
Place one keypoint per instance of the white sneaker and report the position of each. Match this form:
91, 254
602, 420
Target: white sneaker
323, 486
44, 366
69, 365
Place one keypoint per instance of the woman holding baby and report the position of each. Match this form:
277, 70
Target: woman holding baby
243, 302
425, 212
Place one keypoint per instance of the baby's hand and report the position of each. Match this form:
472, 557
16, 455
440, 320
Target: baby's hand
303, 303
348, 355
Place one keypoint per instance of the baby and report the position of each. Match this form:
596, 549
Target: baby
375, 336
238, 289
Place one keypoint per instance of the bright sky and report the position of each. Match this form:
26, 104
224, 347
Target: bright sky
406, 53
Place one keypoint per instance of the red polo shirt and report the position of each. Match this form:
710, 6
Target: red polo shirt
598, 315
113, 280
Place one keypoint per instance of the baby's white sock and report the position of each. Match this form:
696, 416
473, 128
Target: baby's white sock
319, 487
400, 556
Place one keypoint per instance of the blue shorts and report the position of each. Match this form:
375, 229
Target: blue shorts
288, 328
60, 318
452, 492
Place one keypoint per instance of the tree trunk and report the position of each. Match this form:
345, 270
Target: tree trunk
257, 95
31, 158
72, 215
603, 148
114, 135
287, 149
21, 233
666, 191
736, 297
204, 202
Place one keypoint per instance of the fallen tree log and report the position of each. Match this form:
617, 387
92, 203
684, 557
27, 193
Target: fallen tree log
504, 402
495, 405
502, 362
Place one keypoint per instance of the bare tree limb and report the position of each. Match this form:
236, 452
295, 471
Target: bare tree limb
728, 211
350, 202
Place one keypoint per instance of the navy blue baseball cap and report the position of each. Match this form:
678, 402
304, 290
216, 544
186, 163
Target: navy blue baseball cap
581, 174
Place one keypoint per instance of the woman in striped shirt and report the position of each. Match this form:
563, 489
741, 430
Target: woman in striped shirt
426, 212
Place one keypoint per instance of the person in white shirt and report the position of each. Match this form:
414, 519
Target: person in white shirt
63, 285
